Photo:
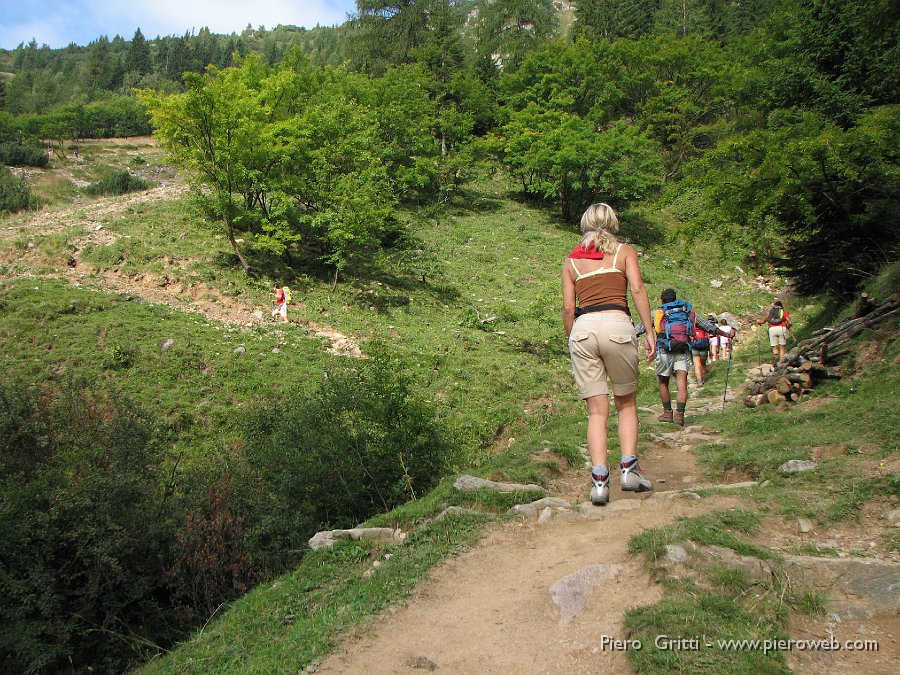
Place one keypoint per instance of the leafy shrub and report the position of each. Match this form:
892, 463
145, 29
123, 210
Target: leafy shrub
15, 194
82, 531
361, 444
16, 154
117, 182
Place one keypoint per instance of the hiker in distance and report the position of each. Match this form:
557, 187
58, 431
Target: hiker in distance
675, 322
282, 298
779, 323
602, 343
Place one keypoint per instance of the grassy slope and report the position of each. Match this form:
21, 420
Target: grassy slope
492, 383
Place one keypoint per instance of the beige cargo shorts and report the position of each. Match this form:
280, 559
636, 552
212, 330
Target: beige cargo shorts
603, 345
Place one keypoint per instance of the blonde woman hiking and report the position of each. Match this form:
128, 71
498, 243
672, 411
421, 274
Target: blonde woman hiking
602, 343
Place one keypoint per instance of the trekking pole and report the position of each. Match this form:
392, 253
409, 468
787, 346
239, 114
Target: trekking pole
759, 346
727, 373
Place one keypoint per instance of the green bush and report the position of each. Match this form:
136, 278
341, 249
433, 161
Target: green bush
16, 154
15, 194
83, 532
360, 445
117, 182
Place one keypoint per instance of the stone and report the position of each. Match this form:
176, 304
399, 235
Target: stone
754, 568
472, 483
688, 479
572, 592
327, 538
624, 505
869, 585
796, 466
532, 508
240, 350
275, 350
715, 283
167, 344
546, 515
421, 663
257, 314
894, 517
804, 525
676, 554
454, 511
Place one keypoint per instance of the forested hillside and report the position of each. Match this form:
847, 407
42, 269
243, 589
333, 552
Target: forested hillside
414, 174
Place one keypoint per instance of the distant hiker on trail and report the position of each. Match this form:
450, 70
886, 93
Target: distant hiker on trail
725, 339
603, 344
779, 323
282, 298
700, 346
675, 324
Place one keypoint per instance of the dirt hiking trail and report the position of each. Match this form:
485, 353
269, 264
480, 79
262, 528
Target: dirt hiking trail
86, 225
490, 609
537, 595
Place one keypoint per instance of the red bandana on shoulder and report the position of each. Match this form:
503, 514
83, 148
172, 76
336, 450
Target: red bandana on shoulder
589, 252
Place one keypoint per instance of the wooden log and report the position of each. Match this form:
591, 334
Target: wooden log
784, 386
838, 354
755, 400
806, 366
795, 396
800, 378
774, 396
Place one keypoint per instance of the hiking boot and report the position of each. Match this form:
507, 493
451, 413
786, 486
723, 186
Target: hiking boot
632, 478
666, 416
599, 489
678, 418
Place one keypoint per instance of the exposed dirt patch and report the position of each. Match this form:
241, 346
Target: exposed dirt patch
883, 628
869, 353
855, 537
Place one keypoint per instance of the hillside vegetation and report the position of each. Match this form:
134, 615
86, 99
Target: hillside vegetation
415, 177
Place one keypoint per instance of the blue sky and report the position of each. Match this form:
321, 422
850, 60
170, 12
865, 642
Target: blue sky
59, 22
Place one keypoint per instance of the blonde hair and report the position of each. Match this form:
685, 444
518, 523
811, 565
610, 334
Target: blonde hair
599, 225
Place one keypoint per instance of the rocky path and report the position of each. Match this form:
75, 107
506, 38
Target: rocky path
540, 594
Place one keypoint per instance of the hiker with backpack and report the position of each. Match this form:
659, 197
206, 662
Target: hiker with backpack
282, 298
603, 345
675, 324
701, 344
779, 323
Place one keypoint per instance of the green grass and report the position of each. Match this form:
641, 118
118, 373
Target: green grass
717, 603
281, 626
855, 411
503, 388
716, 528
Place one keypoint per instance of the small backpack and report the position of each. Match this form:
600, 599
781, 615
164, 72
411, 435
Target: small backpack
287, 294
776, 315
676, 327
701, 340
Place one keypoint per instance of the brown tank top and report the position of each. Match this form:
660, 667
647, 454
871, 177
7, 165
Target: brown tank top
604, 286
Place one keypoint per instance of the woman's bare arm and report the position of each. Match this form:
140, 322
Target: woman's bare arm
639, 295
568, 293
